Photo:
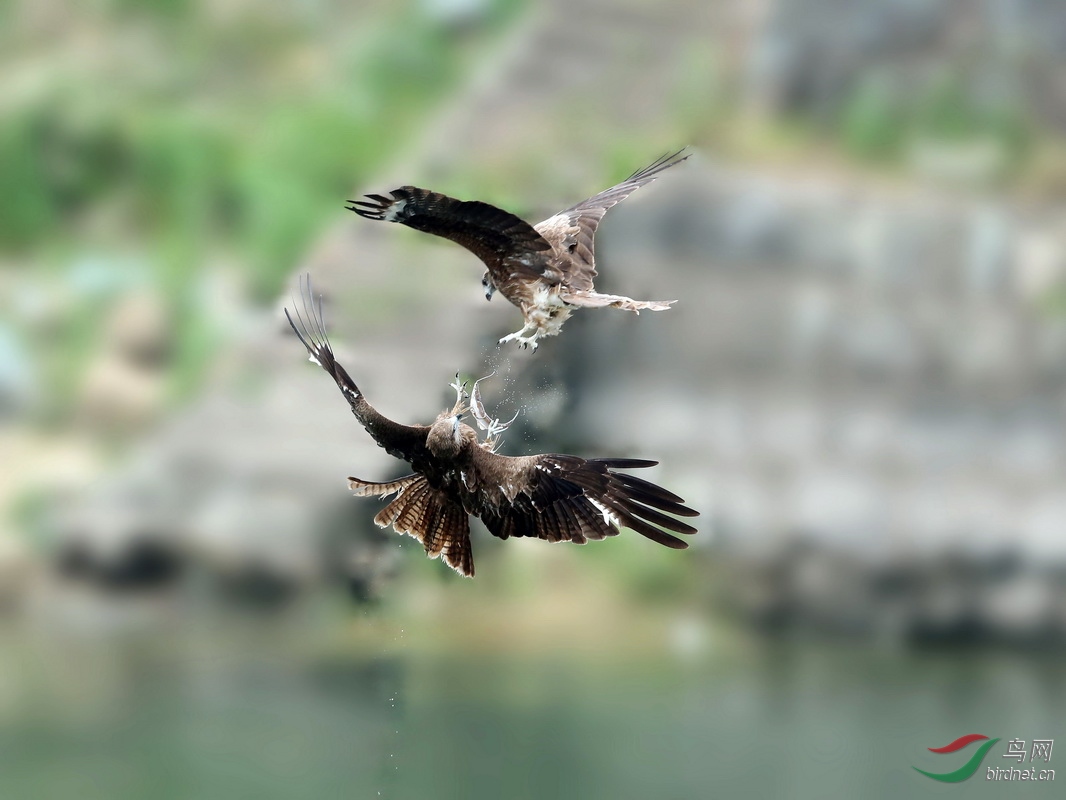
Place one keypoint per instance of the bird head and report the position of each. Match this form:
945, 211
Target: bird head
448, 434
488, 285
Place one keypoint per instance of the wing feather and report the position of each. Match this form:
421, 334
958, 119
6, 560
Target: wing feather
567, 498
574, 230
593, 525
639, 484
568, 519
492, 234
402, 441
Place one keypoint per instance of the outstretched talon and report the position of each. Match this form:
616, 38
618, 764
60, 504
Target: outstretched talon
496, 427
522, 341
492, 427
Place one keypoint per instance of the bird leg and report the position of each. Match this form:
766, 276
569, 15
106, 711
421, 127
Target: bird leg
461, 397
522, 339
496, 428
493, 427
477, 407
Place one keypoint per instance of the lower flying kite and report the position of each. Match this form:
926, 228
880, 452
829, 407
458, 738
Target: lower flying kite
558, 498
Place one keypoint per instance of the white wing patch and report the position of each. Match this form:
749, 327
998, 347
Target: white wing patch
553, 227
609, 517
394, 211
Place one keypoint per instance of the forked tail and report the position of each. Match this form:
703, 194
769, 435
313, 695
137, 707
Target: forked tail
425, 514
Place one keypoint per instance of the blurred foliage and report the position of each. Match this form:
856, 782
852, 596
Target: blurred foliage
882, 117
872, 125
191, 163
28, 207
651, 574
952, 109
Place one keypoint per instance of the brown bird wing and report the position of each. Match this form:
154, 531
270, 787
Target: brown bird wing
402, 441
426, 514
492, 234
566, 498
573, 231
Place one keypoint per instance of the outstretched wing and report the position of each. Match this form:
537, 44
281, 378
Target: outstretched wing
492, 234
573, 231
563, 498
402, 441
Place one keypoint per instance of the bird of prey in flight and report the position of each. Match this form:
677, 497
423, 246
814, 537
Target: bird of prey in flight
559, 498
545, 269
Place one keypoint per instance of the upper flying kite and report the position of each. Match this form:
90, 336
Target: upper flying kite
559, 498
545, 269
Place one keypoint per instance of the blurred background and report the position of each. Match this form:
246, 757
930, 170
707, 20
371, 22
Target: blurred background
861, 389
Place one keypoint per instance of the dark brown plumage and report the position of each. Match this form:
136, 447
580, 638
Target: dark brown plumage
559, 498
546, 270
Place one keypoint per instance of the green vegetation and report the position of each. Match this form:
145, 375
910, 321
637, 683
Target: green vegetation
882, 119
183, 135
872, 127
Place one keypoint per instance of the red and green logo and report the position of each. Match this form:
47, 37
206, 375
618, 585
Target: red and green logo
967, 769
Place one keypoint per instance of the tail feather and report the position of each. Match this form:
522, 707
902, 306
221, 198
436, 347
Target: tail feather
406, 511
423, 513
590, 299
361, 488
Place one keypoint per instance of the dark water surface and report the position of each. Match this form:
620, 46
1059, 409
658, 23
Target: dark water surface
228, 719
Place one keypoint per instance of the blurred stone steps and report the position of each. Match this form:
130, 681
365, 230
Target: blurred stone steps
272, 435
